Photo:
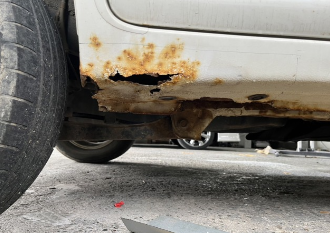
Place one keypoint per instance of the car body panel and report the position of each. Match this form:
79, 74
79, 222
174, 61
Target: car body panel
322, 145
228, 137
308, 18
292, 74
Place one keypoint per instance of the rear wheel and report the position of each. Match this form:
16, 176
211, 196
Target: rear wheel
93, 151
207, 140
32, 94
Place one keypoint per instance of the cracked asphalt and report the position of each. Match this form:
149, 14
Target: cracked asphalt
233, 191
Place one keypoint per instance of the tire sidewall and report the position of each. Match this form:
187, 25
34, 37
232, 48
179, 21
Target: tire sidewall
102, 155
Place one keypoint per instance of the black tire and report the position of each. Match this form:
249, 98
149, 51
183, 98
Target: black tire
32, 94
197, 145
93, 152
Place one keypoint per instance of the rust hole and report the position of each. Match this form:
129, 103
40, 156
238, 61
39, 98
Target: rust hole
167, 98
257, 97
155, 90
143, 79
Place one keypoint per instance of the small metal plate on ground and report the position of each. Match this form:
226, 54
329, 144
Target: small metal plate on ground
138, 227
166, 224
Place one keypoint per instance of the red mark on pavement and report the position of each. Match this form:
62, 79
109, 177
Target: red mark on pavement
119, 204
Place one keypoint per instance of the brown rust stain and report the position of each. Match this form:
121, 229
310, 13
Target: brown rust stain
95, 42
281, 106
264, 108
218, 81
87, 70
171, 51
149, 59
296, 106
108, 69
216, 99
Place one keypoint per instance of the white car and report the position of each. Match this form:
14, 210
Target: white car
81, 72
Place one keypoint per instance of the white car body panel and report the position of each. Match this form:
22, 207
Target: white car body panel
308, 18
228, 137
322, 145
293, 73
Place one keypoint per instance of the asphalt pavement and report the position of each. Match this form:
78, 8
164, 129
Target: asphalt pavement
233, 191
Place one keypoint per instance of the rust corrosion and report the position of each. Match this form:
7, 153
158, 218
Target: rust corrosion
296, 106
87, 70
129, 93
95, 42
262, 107
218, 81
227, 107
148, 60
134, 80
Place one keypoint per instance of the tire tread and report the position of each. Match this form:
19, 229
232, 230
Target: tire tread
31, 55
17, 24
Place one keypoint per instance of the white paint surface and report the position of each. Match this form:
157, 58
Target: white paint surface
308, 18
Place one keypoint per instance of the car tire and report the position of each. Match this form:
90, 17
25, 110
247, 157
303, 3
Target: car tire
207, 140
93, 152
32, 94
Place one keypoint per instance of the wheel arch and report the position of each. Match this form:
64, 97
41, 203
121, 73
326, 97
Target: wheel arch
63, 13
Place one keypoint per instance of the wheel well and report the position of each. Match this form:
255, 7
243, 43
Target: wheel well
63, 13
